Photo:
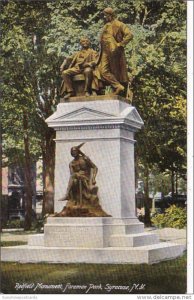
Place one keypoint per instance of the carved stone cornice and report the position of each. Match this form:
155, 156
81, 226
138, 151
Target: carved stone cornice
94, 127
89, 139
95, 115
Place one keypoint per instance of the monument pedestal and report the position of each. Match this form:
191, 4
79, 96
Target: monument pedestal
107, 128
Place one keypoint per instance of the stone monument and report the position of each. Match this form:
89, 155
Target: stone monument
104, 125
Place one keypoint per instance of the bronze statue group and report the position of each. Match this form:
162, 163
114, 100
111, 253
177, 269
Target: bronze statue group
105, 68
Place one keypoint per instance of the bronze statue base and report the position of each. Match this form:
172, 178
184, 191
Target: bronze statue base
85, 210
94, 98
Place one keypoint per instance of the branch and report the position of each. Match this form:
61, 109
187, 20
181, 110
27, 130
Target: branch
162, 40
146, 13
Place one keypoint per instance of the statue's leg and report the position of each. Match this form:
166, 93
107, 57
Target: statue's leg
67, 80
80, 193
62, 89
88, 73
69, 189
106, 74
86, 190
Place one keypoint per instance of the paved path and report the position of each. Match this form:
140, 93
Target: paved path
13, 236
178, 236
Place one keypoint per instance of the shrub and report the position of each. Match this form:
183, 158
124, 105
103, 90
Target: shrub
38, 225
14, 224
174, 217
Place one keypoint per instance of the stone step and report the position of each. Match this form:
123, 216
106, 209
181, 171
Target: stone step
127, 228
116, 228
36, 240
79, 235
133, 240
134, 228
76, 221
92, 221
113, 255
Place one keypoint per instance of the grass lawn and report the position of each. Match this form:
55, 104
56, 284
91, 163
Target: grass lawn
11, 243
165, 277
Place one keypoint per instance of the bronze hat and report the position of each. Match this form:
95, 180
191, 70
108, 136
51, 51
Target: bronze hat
108, 11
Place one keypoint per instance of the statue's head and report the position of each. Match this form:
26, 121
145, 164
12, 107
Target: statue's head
74, 151
108, 14
85, 42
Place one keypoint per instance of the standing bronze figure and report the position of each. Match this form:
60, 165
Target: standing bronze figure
112, 62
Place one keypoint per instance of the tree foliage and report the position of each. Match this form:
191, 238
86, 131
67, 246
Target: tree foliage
174, 217
28, 88
160, 89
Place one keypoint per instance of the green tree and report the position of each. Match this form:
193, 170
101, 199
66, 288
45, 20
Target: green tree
29, 87
159, 86
17, 103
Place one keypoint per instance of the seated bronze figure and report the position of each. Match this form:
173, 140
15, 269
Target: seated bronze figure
81, 188
82, 62
82, 192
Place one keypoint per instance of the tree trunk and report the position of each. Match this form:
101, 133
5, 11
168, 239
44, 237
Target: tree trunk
1, 179
48, 173
27, 175
172, 182
176, 185
147, 219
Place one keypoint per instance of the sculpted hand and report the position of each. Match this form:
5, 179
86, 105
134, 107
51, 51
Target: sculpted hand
93, 64
90, 65
63, 65
119, 45
61, 68
93, 181
87, 65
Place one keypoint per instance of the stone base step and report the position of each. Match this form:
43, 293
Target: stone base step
110, 225
36, 240
132, 228
117, 240
133, 240
112, 255
77, 232
79, 236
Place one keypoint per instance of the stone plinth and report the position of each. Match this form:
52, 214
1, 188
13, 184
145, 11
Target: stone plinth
87, 232
93, 240
107, 128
